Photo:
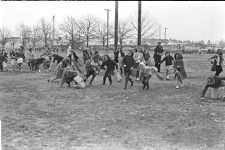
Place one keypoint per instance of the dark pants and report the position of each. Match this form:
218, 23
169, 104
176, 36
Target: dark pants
136, 66
219, 69
127, 76
145, 81
1, 66
30, 63
108, 74
157, 59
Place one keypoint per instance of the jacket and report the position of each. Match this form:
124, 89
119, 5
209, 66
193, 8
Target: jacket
110, 64
128, 62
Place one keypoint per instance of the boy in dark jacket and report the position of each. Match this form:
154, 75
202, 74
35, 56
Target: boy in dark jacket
128, 63
110, 64
168, 62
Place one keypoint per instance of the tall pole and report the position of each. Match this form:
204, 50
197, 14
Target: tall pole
53, 29
159, 32
116, 26
139, 23
165, 32
107, 29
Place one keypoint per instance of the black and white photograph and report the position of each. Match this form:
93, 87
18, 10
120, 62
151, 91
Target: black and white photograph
112, 75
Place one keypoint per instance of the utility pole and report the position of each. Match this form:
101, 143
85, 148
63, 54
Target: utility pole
139, 23
165, 32
159, 32
116, 26
107, 29
53, 29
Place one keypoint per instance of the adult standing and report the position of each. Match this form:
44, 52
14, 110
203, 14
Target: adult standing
158, 55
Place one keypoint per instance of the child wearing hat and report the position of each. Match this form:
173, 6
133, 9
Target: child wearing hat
168, 63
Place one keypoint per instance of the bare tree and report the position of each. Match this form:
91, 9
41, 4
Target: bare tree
87, 27
148, 26
44, 31
24, 32
4, 36
101, 31
34, 36
70, 28
124, 31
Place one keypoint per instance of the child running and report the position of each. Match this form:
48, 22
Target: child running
168, 62
179, 69
110, 64
146, 74
128, 63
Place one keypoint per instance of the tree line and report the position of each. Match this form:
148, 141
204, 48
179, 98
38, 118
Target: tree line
76, 29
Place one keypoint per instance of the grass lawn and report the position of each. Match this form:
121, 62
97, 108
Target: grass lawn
40, 116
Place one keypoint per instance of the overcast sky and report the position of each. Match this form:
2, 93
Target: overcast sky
185, 20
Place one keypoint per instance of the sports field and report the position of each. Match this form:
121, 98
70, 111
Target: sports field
40, 116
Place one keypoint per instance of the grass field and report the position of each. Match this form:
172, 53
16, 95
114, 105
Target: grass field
40, 116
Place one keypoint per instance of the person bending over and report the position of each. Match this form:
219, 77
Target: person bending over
213, 82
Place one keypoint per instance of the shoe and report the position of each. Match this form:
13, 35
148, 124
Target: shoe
143, 87
125, 88
177, 87
167, 78
132, 83
147, 87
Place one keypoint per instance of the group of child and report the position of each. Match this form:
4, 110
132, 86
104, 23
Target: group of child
215, 81
135, 63
142, 69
